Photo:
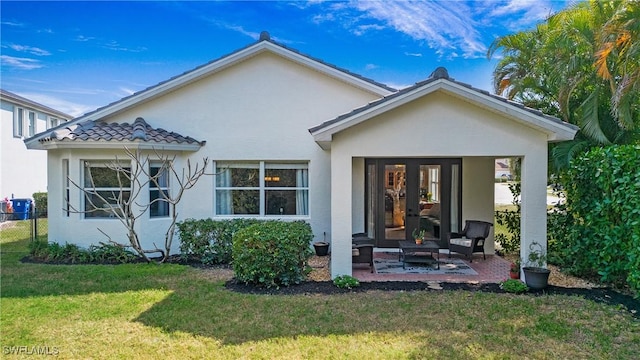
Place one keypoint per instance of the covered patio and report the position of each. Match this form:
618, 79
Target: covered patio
492, 270
432, 145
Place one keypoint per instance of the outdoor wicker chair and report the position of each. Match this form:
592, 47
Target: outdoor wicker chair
471, 239
362, 254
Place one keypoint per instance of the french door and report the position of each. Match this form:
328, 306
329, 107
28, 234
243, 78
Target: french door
406, 196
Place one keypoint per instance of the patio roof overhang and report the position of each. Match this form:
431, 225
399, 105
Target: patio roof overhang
554, 129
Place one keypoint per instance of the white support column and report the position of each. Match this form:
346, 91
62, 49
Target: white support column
341, 192
533, 225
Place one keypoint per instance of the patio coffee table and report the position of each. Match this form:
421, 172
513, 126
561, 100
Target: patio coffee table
423, 253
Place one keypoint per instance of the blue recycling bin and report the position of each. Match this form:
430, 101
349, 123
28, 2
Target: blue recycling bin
21, 208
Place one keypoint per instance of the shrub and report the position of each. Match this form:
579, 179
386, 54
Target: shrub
73, 254
603, 205
272, 253
208, 241
511, 220
40, 200
111, 253
514, 286
346, 282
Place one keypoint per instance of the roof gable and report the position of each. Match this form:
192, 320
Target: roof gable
265, 43
556, 129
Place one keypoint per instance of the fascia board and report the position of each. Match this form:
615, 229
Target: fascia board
555, 131
105, 145
326, 133
323, 68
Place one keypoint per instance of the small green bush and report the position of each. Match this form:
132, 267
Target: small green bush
40, 200
514, 286
73, 254
272, 253
209, 241
346, 282
111, 253
511, 220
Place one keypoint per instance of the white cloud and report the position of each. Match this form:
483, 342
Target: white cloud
115, 46
83, 38
20, 63
413, 54
371, 67
451, 28
53, 102
29, 49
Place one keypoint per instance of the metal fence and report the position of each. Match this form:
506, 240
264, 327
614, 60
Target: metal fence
36, 220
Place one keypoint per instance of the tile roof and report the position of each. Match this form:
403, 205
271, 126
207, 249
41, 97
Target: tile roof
139, 130
439, 73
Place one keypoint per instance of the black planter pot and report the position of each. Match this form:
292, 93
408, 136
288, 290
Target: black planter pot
536, 278
322, 248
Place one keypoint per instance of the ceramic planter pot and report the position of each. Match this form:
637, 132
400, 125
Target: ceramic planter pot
322, 248
535, 277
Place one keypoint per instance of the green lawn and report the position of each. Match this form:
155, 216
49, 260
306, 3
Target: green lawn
150, 311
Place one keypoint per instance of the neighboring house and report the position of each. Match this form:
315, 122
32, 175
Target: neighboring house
502, 169
22, 171
304, 140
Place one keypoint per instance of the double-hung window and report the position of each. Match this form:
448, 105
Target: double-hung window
106, 188
262, 188
53, 122
32, 124
18, 122
158, 189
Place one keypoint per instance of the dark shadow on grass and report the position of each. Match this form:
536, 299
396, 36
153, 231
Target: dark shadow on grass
238, 313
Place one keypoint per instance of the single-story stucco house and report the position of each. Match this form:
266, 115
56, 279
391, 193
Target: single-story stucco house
305, 140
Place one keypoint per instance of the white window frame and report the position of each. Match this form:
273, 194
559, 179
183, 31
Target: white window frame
109, 208
65, 188
18, 122
165, 189
53, 122
262, 188
31, 128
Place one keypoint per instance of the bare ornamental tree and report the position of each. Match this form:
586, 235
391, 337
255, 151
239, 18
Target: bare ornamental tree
129, 180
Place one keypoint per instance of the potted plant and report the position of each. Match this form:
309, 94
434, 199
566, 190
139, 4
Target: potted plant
536, 275
514, 271
321, 247
418, 235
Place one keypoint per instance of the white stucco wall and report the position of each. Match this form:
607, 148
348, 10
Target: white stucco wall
478, 193
260, 109
438, 125
22, 171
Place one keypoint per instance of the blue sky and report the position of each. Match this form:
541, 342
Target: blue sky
78, 56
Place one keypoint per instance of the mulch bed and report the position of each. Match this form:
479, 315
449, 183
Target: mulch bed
600, 295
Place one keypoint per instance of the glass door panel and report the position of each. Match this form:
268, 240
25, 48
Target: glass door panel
395, 201
372, 200
430, 200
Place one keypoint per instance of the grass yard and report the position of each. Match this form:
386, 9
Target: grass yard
146, 311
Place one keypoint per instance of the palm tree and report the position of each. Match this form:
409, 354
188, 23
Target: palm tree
552, 68
618, 61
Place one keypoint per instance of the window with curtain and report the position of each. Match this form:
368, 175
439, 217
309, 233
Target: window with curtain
262, 189
158, 189
104, 189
